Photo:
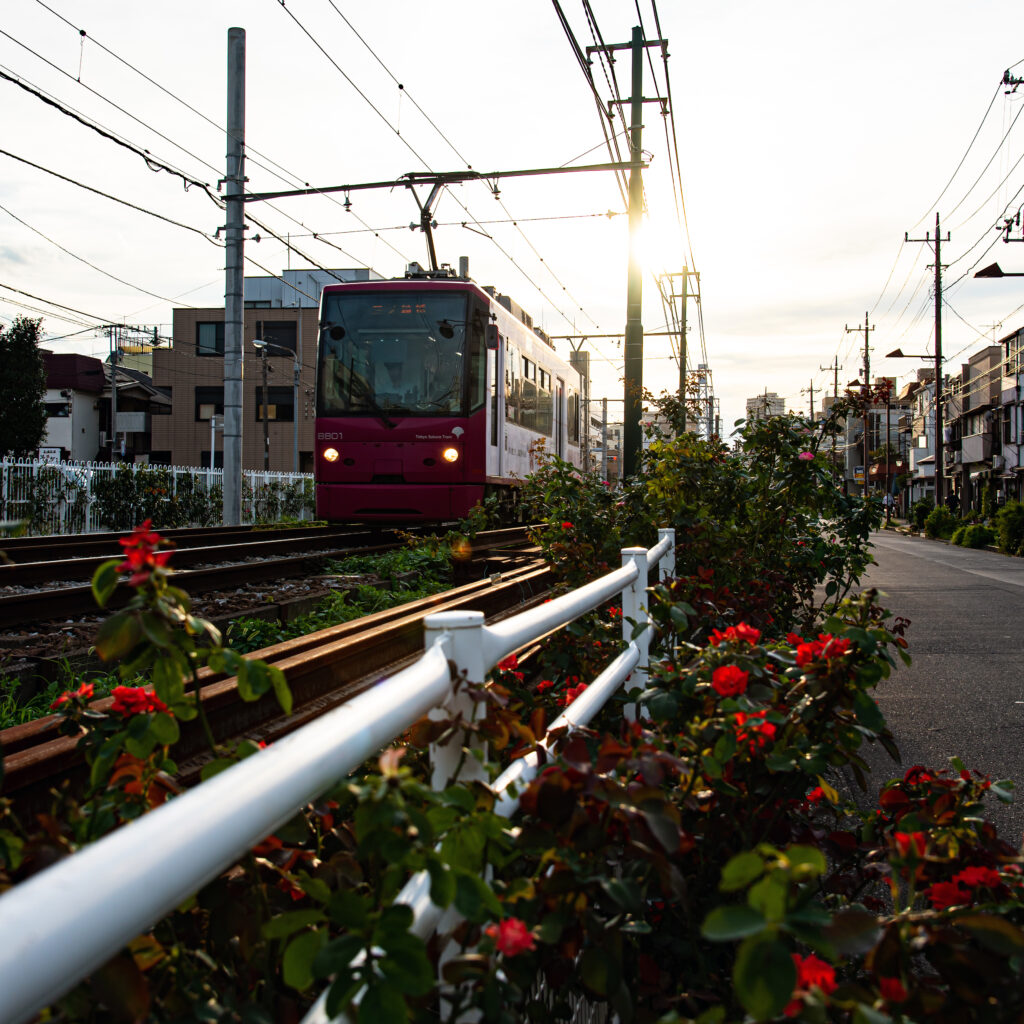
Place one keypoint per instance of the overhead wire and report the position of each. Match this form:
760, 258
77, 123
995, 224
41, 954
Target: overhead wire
82, 259
107, 195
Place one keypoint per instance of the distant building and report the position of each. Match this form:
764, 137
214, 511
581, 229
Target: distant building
281, 311
765, 405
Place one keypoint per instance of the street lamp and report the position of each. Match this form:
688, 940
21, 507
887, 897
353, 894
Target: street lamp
262, 347
994, 270
898, 353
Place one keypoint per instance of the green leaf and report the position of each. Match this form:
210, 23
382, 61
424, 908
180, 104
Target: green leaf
297, 963
348, 909
600, 972
769, 897
164, 728
283, 925
442, 883
764, 977
167, 679
156, 630
281, 688
994, 933
336, 955
409, 969
809, 857
382, 1005
740, 871
118, 636
104, 580
867, 712
474, 898
853, 931
724, 924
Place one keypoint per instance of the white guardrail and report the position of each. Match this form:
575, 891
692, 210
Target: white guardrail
62, 924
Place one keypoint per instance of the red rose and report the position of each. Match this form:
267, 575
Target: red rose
544, 685
511, 937
84, 692
974, 877
136, 700
566, 526
729, 681
892, 990
944, 895
910, 844
811, 972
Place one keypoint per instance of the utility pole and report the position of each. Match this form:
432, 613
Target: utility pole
234, 188
634, 344
811, 390
265, 402
634, 338
115, 344
604, 439
682, 296
835, 368
939, 452
866, 393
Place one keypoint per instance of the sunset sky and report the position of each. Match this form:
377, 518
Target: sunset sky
811, 137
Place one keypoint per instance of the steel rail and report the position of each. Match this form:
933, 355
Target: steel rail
322, 669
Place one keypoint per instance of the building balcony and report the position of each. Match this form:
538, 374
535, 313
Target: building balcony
977, 447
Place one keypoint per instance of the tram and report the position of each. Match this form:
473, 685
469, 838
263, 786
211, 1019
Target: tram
431, 394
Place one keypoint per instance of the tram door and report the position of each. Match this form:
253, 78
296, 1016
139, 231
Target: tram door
496, 412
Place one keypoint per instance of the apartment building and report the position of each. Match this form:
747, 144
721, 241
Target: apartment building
279, 311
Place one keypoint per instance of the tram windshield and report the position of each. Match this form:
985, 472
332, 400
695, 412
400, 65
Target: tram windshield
388, 354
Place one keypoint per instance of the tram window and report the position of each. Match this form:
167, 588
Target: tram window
542, 420
574, 417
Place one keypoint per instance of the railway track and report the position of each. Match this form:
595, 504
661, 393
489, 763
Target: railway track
323, 669
209, 560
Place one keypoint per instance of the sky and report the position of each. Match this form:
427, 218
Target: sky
810, 137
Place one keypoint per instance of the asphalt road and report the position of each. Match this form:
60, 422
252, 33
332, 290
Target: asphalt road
964, 693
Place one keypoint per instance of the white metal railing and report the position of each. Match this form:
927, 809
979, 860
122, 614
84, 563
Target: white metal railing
66, 921
60, 497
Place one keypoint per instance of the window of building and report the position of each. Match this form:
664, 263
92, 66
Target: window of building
280, 333
218, 459
210, 339
258, 304
280, 406
209, 402
58, 408
160, 458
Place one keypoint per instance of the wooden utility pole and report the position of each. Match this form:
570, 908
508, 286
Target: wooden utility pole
939, 449
866, 391
835, 368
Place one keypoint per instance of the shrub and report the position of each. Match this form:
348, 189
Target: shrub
1010, 527
958, 535
940, 523
919, 511
977, 536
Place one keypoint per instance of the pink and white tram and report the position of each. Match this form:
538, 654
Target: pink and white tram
430, 393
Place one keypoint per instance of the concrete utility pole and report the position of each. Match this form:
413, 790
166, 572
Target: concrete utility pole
234, 306
939, 440
634, 345
604, 439
866, 392
682, 296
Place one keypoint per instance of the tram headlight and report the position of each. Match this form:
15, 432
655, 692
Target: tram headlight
331, 454
450, 455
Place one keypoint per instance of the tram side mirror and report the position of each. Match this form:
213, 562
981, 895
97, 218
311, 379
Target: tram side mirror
337, 332
492, 337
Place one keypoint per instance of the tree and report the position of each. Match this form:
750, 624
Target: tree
22, 387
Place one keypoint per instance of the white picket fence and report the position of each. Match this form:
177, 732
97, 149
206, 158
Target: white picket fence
65, 922
60, 497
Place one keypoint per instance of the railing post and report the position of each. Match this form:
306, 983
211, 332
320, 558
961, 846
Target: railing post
667, 565
463, 634
632, 609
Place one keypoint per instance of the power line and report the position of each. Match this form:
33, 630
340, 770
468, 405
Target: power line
82, 259
107, 195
